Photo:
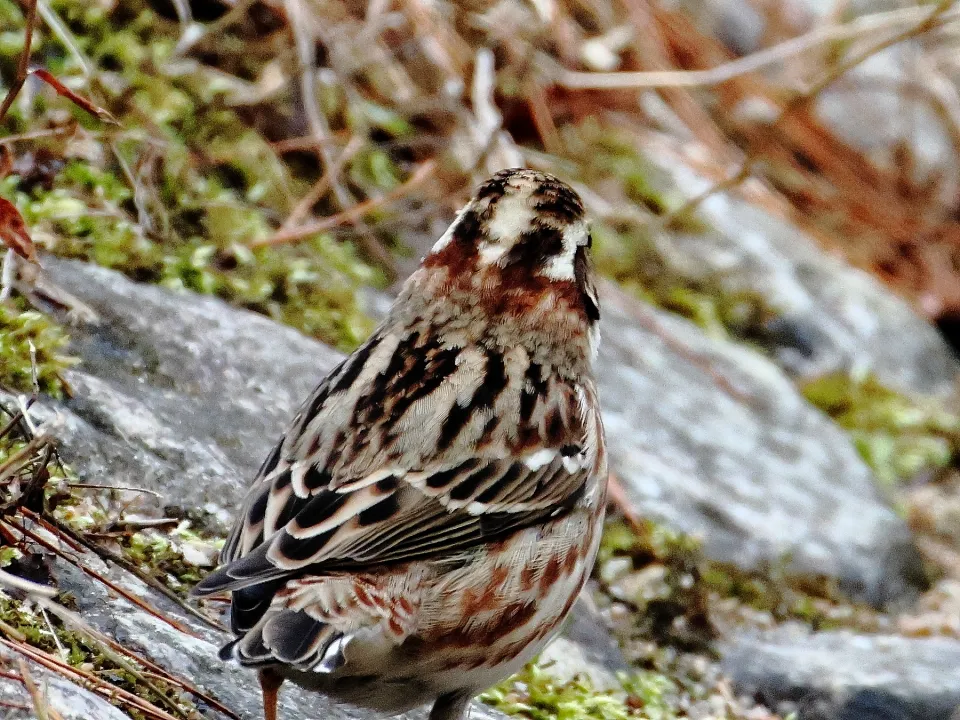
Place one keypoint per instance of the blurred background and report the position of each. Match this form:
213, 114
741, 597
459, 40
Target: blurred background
774, 188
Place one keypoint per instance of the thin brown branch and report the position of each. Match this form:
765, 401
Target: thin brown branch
39, 702
646, 79
122, 488
329, 176
424, 171
127, 595
106, 646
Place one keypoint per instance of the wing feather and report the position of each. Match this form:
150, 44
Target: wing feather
436, 452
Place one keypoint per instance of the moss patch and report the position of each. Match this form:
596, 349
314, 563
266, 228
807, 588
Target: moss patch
678, 692
534, 693
176, 195
19, 330
900, 436
179, 559
38, 481
656, 573
663, 593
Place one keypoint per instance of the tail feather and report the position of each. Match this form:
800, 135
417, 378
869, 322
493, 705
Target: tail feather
292, 638
248, 605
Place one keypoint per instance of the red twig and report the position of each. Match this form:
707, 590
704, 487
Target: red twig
23, 67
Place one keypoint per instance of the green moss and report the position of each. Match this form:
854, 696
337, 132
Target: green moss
161, 555
176, 196
22, 621
534, 693
21, 328
8, 555
649, 694
815, 601
673, 593
900, 436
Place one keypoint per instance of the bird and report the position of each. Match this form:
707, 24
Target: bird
432, 512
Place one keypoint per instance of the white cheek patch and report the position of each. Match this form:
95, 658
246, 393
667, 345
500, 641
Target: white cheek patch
575, 463
561, 266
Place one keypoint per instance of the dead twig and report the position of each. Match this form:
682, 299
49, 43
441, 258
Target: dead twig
106, 646
353, 146
120, 561
127, 595
40, 707
646, 79
23, 66
86, 679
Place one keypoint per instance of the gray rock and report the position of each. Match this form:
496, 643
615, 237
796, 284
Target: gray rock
832, 316
185, 395
713, 439
847, 676
177, 393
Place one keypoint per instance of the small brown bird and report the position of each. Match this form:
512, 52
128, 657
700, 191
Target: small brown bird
434, 509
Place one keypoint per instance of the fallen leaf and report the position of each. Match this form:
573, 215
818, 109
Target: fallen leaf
13, 231
73, 97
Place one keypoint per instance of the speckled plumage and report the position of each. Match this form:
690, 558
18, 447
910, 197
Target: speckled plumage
434, 509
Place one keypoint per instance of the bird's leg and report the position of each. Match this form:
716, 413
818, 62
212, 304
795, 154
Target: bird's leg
452, 706
270, 683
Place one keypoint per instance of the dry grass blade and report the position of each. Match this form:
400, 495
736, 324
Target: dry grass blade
116, 652
107, 648
139, 602
353, 146
74, 97
43, 712
27, 586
